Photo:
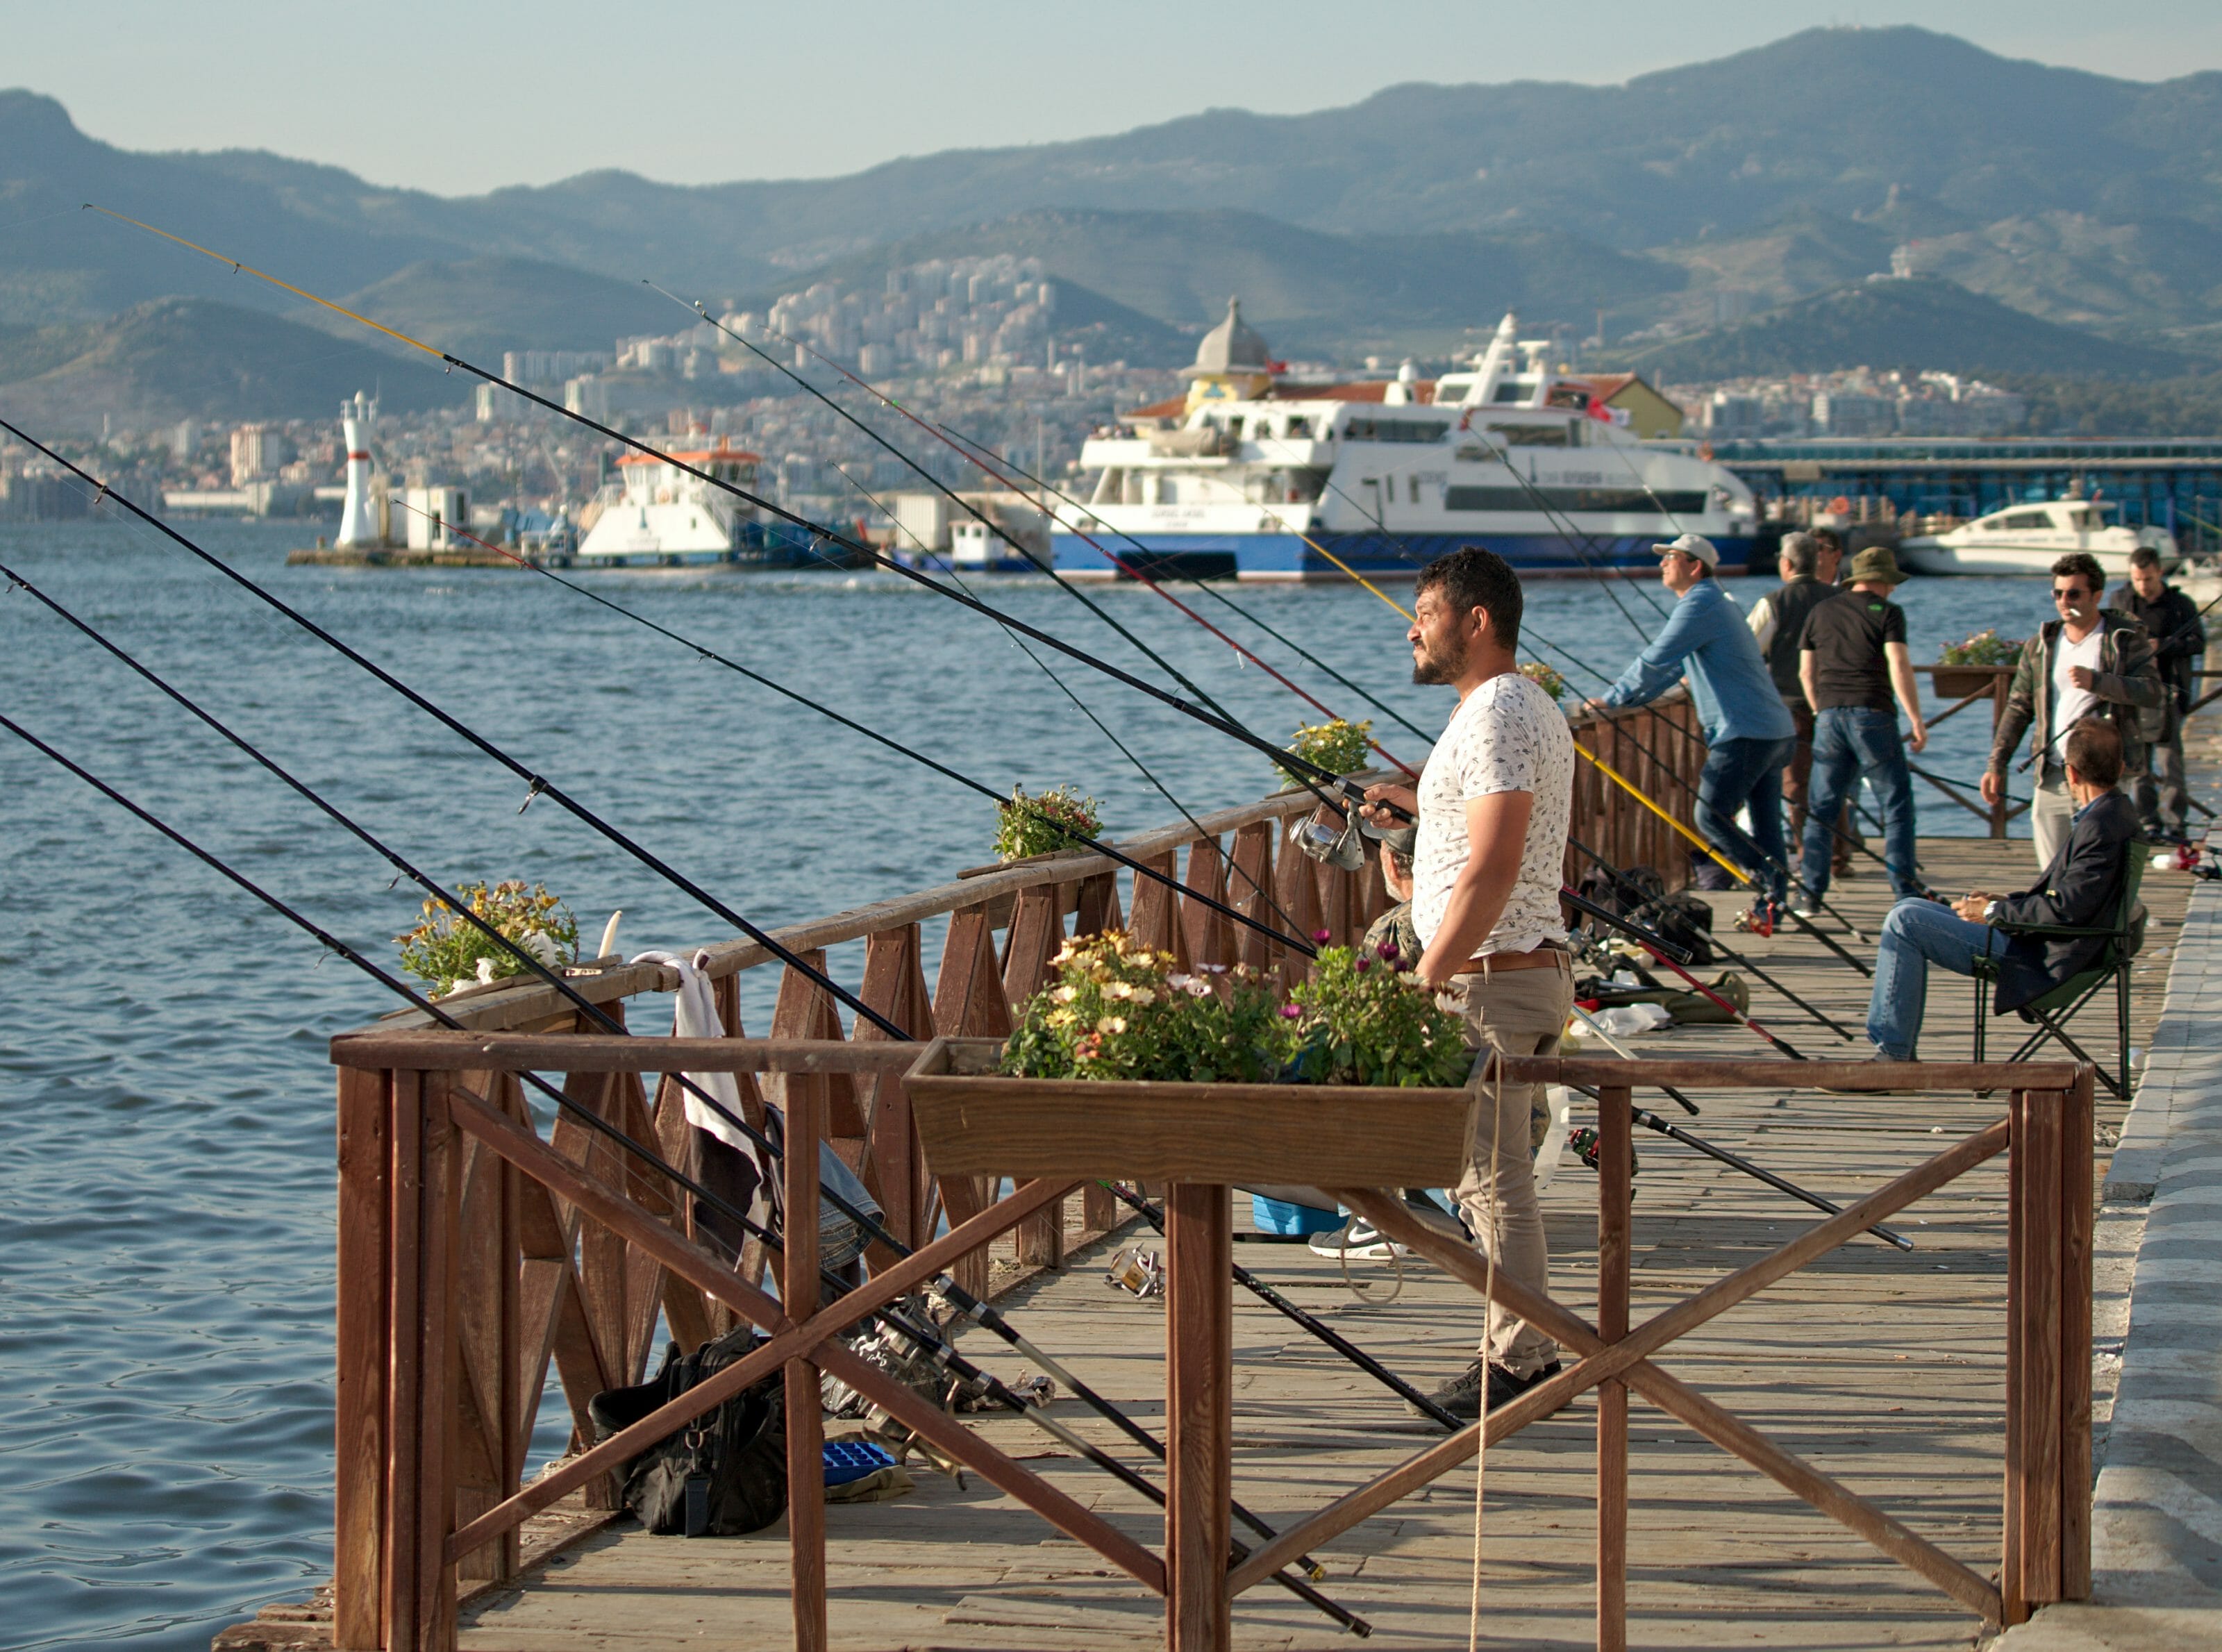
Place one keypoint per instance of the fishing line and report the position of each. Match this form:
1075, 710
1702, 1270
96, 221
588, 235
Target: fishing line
1290, 762
704, 651
1088, 712
1213, 591
995, 528
1303, 768
536, 785
936, 1345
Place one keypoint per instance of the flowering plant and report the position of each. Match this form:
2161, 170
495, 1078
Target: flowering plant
1119, 1011
1034, 826
1986, 647
1335, 745
447, 952
1358, 1020
1545, 677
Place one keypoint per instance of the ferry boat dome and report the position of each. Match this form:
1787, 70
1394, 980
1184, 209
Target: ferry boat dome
1232, 346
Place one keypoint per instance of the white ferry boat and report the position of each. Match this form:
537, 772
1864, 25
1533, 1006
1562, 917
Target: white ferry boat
2030, 538
1258, 476
657, 515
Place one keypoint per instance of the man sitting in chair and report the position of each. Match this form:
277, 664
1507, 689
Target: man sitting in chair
2080, 887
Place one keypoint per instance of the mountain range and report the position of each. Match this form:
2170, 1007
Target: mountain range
1397, 224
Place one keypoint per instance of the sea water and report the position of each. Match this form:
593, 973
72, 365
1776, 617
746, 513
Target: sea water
166, 1115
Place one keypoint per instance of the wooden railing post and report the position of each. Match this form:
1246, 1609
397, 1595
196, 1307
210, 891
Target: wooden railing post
405, 1412
2047, 1524
805, 1427
1615, 1176
426, 1189
1199, 1414
363, 1355
2077, 1199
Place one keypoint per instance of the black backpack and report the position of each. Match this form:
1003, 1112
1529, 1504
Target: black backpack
722, 1474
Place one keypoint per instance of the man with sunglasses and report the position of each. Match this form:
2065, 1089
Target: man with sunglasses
1749, 733
2090, 662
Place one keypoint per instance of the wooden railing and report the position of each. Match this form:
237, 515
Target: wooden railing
473, 1251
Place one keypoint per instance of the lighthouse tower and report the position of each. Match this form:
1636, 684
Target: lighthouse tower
359, 516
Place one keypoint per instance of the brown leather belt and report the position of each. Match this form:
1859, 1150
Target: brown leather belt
1545, 953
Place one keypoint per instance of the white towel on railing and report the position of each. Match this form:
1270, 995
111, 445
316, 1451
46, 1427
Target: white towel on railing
694, 1015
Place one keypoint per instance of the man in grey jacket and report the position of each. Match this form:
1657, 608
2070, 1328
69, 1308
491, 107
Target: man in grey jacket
2090, 662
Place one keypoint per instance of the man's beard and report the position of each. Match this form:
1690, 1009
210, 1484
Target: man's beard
1447, 667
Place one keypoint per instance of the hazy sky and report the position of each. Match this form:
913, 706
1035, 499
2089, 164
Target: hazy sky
463, 98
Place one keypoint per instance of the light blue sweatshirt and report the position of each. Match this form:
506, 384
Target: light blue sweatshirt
1707, 636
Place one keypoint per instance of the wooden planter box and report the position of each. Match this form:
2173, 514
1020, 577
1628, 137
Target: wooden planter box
1958, 681
974, 1121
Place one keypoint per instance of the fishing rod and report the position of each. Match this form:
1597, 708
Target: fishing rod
996, 528
1626, 889
1655, 946
1623, 731
1207, 589
942, 1353
536, 785
1098, 846
1294, 766
1313, 1327
1674, 1132
1088, 712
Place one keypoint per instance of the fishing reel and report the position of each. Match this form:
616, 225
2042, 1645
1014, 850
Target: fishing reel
1344, 846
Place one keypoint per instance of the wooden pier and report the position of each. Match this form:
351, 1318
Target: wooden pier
1901, 1391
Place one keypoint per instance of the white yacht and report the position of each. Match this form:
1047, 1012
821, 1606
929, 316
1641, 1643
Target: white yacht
2030, 538
1254, 474
657, 515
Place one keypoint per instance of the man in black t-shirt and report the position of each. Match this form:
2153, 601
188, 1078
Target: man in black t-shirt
1852, 661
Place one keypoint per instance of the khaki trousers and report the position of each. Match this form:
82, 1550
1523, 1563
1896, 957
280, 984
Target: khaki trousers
1512, 1012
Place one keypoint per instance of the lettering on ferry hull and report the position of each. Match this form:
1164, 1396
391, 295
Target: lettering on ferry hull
1619, 499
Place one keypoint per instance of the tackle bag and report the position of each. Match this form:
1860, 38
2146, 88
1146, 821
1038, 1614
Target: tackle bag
722, 1474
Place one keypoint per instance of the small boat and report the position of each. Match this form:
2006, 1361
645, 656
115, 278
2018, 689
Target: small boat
658, 515
2030, 538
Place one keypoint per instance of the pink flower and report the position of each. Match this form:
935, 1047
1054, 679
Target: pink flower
1323, 936
1387, 949
1363, 965
1290, 1012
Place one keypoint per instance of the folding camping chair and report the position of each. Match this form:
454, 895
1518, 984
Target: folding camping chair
2054, 1009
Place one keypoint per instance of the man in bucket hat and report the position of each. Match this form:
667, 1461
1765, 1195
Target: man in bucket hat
1853, 662
1748, 728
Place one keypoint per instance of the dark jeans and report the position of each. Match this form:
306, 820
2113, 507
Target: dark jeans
1851, 742
1748, 774
1797, 782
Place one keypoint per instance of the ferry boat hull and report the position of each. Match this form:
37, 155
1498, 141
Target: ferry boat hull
1288, 557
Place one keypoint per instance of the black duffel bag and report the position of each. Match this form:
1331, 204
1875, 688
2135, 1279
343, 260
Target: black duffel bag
722, 1474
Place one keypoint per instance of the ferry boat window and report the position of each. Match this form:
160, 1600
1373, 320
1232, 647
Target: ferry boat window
1619, 500
1396, 430
1414, 481
1305, 486
2022, 521
1300, 429
1553, 435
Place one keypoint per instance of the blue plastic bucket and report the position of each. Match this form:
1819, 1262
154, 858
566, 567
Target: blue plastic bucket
1278, 1216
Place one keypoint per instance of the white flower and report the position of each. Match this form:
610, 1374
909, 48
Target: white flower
543, 947
486, 969
1118, 989
1065, 994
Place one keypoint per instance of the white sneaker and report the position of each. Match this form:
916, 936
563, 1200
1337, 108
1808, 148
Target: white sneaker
1357, 1239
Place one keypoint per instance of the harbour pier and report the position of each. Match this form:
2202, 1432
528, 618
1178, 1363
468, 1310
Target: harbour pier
1833, 1441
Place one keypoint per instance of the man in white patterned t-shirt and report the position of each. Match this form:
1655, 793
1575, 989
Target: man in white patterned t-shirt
1492, 805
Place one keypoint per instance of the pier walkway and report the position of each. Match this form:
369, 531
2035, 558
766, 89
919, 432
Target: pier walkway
1885, 1368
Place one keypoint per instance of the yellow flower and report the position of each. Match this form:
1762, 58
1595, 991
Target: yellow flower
1141, 996
1112, 1024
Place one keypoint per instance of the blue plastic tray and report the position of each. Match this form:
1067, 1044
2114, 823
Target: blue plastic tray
852, 1460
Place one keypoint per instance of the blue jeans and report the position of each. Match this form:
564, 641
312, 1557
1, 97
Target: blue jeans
1748, 774
1916, 934
1851, 742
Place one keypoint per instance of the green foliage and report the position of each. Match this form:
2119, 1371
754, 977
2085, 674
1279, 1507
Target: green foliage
1986, 647
1119, 1011
1035, 826
447, 952
1360, 1021
1336, 744
1545, 677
